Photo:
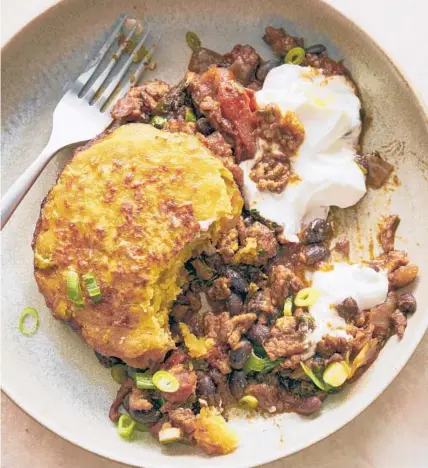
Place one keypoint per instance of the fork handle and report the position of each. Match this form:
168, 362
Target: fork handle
22, 185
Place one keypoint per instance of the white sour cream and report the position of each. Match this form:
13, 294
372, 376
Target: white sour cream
368, 287
330, 113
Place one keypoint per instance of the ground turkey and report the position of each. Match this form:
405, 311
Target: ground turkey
224, 329
140, 102
285, 339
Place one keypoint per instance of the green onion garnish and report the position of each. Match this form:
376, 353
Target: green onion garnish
119, 373
259, 350
249, 401
25, 314
161, 380
189, 116
166, 382
144, 381
288, 306
125, 426
258, 364
307, 297
336, 374
308, 371
92, 287
74, 292
193, 41
295, 56
158, 121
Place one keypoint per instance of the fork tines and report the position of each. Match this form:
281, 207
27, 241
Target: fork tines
120, 62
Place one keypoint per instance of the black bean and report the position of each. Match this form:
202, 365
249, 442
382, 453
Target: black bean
315, 232
316, 253
265, 68
200, 365
238, 283
248, 221
287, 382
107, 361
145, 417
316, 49
217, 376
348, 309
242, 71
309, 405
237, 383
174, 100
239, 356
203, 126
206, 385
214, 261
351, 304
125, 402
407, 303
258, 333
298, 387
235, 304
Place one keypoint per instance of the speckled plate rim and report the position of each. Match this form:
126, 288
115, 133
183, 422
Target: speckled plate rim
363, 402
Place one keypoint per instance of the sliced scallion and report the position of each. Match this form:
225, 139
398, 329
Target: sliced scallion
193, 40
125, 426
308, 371
119, 373
258, 364
74, 292
307, 297
24, 317
92, 287
336, 374
249, 401
288, 307
158, 121
166, 382
144, 381
295, 56
189, 115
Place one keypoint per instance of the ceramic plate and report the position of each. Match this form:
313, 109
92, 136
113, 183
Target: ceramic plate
54, 376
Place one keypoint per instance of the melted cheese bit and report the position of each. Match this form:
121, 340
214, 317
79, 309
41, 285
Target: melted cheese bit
366, 286
327, 173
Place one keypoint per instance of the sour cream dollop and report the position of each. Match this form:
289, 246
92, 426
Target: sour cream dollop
327, 173
366, 286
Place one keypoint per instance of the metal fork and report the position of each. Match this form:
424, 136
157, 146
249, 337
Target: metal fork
84, 111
